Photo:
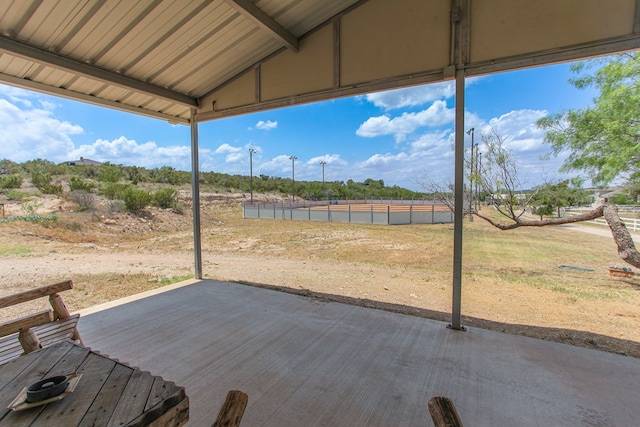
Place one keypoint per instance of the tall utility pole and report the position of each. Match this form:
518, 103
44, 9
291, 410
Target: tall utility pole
323, 163
293, 176
478, 179
471, 132
251, 151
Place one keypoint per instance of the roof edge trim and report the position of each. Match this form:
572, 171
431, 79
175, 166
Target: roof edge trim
31, 53
340, 92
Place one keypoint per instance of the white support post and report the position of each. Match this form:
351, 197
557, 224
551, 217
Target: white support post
459, 204
195, 195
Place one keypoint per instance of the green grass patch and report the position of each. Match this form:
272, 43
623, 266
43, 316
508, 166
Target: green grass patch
165, 281
30, 218
14, 250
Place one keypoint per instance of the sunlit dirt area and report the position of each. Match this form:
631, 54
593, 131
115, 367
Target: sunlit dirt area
549, 283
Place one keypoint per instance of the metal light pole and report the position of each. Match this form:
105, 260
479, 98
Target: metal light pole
251, 151
323, 163
471, 132
293, 176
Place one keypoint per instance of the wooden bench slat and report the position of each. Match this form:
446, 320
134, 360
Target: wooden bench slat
57, 331
10, 348
42, 329
10, 355
9, 300
13, 326
48, 334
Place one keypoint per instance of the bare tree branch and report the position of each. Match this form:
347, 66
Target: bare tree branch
587, 216
626, 248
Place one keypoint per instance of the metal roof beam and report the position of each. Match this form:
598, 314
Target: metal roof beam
31, 53
77, 96
251, 11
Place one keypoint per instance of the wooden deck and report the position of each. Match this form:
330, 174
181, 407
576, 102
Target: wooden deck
309, 363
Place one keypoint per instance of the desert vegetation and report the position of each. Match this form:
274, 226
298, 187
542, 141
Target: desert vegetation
550, 282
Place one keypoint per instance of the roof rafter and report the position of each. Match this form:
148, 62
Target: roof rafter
251, 11
31, 53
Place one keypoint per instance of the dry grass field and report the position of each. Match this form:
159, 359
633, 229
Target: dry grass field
550, 283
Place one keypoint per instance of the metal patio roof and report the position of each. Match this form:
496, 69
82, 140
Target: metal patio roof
162, 58
152, 57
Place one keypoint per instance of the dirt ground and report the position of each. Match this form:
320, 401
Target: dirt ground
113, 255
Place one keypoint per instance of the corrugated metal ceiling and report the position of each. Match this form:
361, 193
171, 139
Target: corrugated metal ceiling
154, 57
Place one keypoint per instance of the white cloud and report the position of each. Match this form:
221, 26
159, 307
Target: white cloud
16, 95
519, 127
232, 154
129, 152
279, 164
330, 159
412, 96
268, 125
416, 95
29, 132
436, 115
433, 142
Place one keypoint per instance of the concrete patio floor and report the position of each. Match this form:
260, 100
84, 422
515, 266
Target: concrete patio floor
305, 362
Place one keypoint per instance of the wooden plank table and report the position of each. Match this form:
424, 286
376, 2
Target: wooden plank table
109, 393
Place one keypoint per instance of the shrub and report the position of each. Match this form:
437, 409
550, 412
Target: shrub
84, 199
30, 208
116, 206
136, 199
40, 179
165, 198
109, 173
16, 194
78, 184
52, 189
114, 190
11, 181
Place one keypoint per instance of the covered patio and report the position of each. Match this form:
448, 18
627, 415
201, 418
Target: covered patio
302, 361
314, 363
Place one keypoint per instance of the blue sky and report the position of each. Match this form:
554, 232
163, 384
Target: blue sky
398, 136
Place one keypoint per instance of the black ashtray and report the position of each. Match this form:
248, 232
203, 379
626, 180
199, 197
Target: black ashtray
46, 389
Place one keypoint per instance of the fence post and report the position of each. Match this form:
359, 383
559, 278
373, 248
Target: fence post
371, 214
388, 214
349, 213
329, 212
433, 213
411, 213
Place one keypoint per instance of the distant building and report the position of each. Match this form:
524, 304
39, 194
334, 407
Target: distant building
603, 196
83, 161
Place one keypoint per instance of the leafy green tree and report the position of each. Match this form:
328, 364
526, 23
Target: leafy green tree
549, 198
604, 139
